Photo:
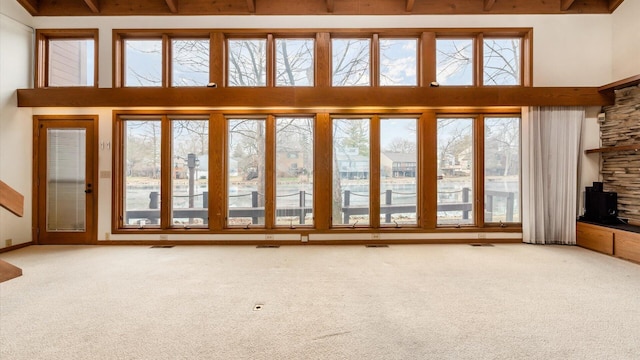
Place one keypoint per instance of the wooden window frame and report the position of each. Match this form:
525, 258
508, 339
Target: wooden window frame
426, 52
120, 37
426, 207
41, 73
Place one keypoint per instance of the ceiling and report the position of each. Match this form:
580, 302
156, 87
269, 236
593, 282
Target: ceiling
314, 7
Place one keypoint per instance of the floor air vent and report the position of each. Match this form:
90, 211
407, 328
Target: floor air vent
481, 244
161, 246
376, 245
268, 246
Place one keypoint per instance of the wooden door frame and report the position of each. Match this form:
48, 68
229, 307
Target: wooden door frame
92, 228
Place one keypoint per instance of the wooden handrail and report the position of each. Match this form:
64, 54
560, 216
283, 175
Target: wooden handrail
11, 199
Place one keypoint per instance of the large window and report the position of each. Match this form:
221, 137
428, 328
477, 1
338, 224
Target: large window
246, 172
242, 58
398, 171
351, 171
261, 169
294, 171
502, 169
142, 169
455, 171
189, 178
67, 58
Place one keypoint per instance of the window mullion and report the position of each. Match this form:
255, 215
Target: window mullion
269, 172
479, 60
166, 203
375, 60
427, 59
166, 60
478, 169
374, 176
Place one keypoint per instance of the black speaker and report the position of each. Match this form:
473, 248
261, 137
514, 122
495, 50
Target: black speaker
601, 207
598, 186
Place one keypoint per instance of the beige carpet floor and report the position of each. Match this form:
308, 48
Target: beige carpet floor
511, 301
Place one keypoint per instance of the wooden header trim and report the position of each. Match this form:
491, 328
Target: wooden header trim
11, 199
313, 98
609, 89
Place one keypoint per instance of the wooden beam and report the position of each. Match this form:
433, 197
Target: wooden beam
11, 199
32, 6
94, 5
315, 7
613, 4
251, 5
488, 4
409, 6
313, 98
566, 4
173, 6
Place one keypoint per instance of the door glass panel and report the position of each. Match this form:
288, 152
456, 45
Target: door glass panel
66, 178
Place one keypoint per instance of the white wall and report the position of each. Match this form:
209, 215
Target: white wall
15, 123
626, 40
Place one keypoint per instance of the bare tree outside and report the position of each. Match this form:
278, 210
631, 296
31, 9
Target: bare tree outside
502, 61
142, 165
143, 62
398, 171
454, 59
294, 62
351, 62
455, 170
247, 62
190, 62
502, 169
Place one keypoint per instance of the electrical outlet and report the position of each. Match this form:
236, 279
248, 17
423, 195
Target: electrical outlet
107, 236
375, 236
164, 237
8, 242
268, 237
304, 238
481, 236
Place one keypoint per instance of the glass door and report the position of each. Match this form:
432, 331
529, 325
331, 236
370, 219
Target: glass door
66, 181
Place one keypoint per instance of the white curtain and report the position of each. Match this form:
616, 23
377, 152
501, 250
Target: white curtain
550, 156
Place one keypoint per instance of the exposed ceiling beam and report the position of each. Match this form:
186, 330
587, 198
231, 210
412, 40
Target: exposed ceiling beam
410, 5
30, 5
94, 5
251, 4
173, 6
566, 4
613, 4
488, 4
330, 6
